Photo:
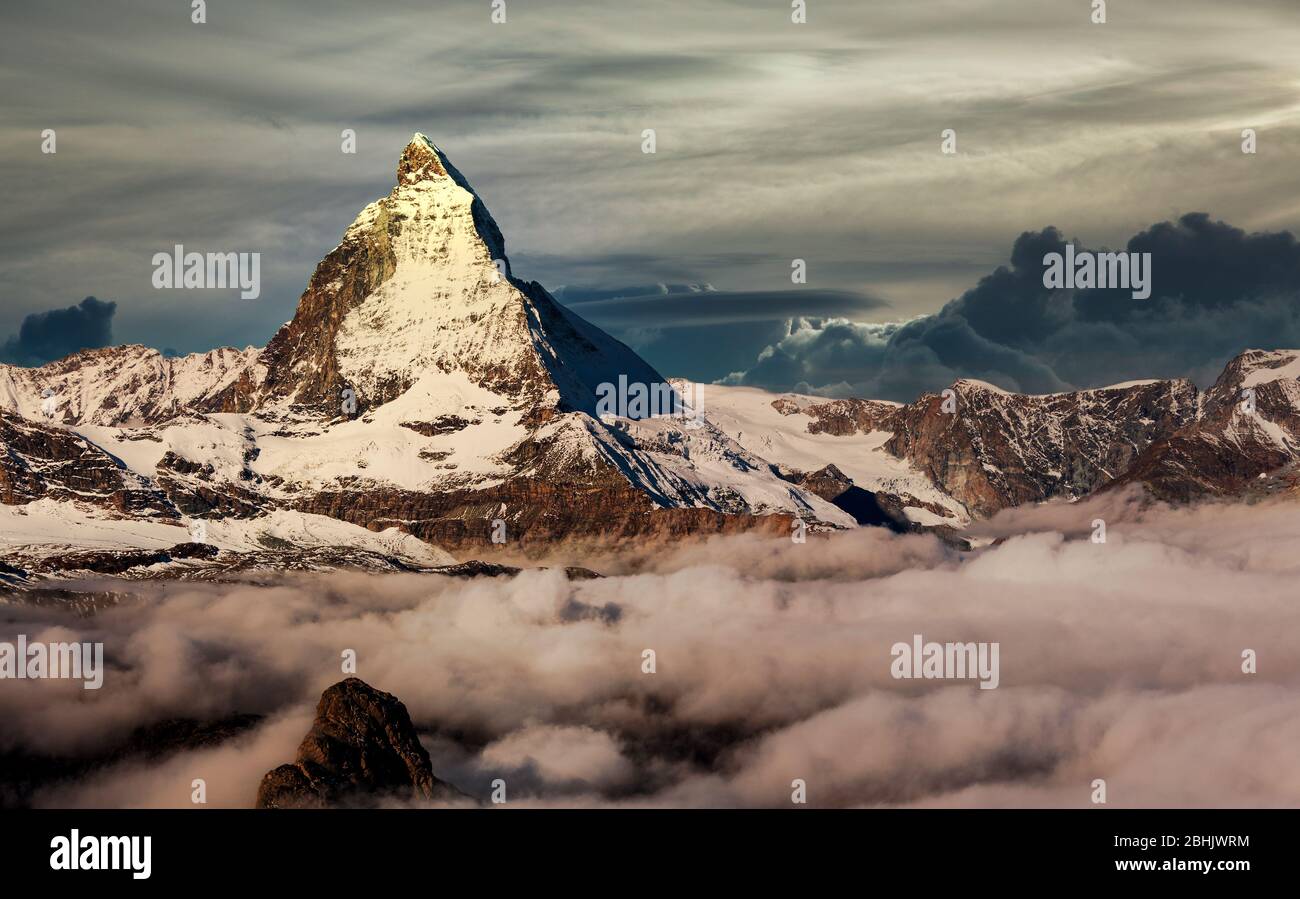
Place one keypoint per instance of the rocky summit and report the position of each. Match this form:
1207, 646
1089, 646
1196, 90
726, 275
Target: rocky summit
361, 748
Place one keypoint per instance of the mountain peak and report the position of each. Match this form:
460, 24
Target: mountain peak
421, 160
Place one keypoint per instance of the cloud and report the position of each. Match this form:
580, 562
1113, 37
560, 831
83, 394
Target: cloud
46, 336
701, 332
225, 137
690, 305
226, 771
1216, 291
1119, 660
564, 758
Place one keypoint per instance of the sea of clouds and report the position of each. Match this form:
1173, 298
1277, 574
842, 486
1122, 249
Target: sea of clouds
1119, 661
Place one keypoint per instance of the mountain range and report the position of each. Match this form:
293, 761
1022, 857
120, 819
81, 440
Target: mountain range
425, 404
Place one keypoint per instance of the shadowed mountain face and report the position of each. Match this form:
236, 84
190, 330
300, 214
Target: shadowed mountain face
361, 748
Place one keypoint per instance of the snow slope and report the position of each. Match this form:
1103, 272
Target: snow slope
750, 417
46, 526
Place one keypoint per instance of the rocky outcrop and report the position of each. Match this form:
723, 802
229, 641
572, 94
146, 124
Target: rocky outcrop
997, 449
867, 507
827, 482
1248, 429
850, 416
116, 562
44, 460
477, 568
196, 490
362, 748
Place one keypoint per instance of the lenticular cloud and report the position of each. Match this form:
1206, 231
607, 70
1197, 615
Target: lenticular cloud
1120, 661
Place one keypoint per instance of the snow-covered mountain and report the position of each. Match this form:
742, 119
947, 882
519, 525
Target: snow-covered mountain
420, 387
975, 449
127, 386
424, 393
804, 436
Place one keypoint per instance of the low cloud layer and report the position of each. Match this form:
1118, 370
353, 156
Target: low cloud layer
46, 336
1119, 661
1216, 290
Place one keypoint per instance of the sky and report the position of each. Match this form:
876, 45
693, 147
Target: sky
775, 141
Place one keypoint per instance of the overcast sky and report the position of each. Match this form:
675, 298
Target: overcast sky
819, 141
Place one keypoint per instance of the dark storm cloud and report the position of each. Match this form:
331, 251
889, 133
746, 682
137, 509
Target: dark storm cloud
1216, 290
46, 336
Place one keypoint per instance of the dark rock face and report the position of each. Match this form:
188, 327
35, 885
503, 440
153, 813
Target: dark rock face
1227, 449
193, 551
827, 482
867, 508
850, 416
361, 748
119, 561
445, 424
105, 561
301, 358
43, 460
1001, 449
478, 568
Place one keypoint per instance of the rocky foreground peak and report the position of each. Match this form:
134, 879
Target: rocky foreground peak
362, 747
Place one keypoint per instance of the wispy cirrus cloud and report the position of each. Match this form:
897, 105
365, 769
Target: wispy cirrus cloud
776, 141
